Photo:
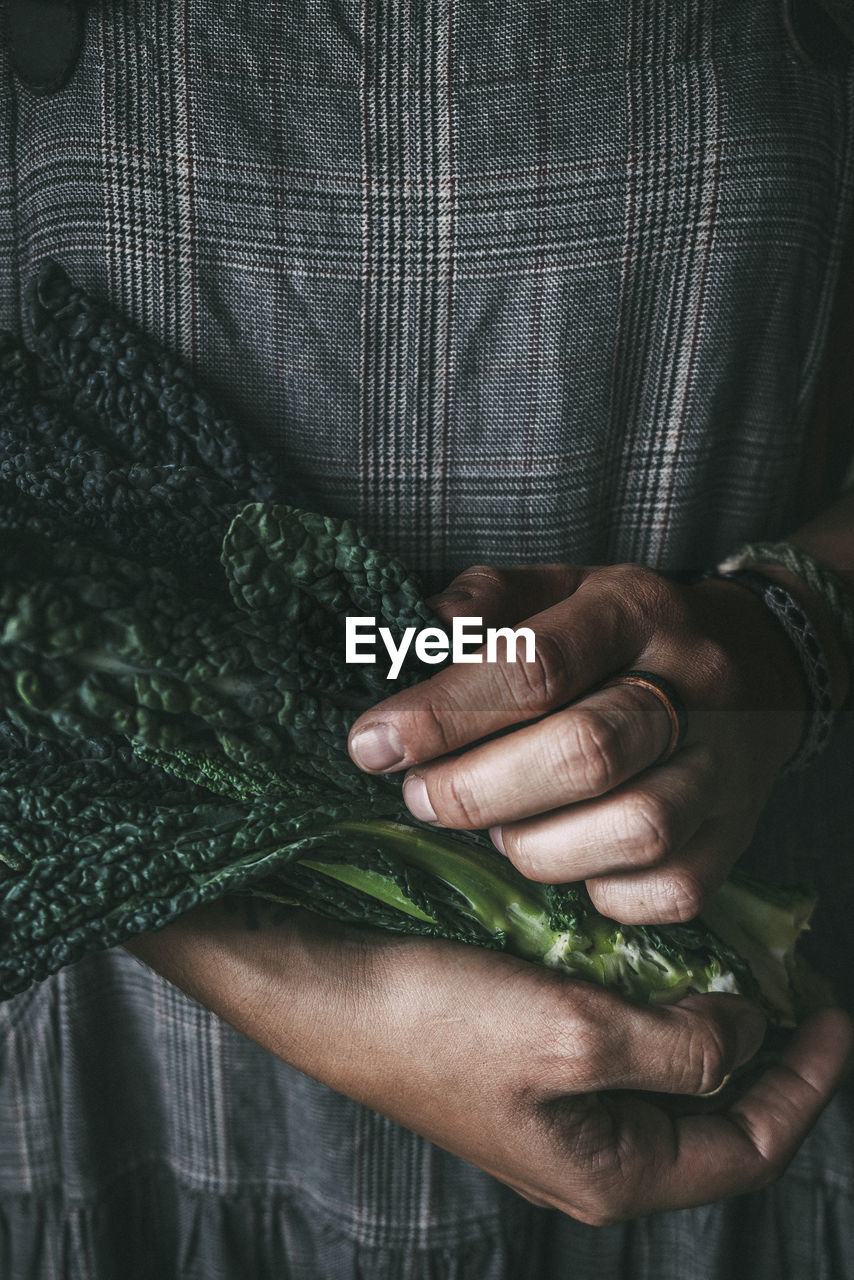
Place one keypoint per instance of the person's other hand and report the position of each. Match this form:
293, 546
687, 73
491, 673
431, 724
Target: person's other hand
574, 787
503, 1062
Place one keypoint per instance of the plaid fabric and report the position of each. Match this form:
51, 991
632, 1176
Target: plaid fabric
516, 282
520, 281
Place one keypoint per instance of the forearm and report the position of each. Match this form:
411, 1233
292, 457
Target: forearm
495, 1059
352, 1008
281, 984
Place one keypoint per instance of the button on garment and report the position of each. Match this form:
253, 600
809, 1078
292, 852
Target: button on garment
45, 38
508, 282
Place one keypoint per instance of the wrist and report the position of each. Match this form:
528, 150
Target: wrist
819, 586
822, 621
803, 644
767, 675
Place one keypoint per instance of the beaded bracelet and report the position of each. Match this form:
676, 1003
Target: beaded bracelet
801, 633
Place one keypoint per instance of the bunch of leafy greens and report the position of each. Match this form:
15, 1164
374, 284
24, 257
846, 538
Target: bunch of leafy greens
175, 703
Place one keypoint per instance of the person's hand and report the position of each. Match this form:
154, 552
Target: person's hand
574, 787
499, 1061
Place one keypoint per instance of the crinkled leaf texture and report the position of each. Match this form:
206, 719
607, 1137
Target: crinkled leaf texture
174, 697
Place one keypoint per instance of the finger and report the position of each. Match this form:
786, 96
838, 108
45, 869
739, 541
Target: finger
505, 596
751, 1144
578, 643
678, 890
604, 1042
635, 827
569, 756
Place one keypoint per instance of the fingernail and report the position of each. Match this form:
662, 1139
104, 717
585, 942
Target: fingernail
417, 800
379, 747
497, 839
749, 1034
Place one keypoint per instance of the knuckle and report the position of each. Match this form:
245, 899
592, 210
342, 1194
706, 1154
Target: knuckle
569, 1029
541, 685
593, 751
577, 1024
714, 665
648, 829
644, 594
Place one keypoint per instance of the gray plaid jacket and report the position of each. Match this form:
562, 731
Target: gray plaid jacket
533, 279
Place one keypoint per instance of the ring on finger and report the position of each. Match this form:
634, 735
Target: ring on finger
664, 691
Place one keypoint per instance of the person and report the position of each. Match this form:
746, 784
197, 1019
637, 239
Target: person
547, 287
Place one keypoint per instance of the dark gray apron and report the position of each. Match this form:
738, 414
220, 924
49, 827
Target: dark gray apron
540, 279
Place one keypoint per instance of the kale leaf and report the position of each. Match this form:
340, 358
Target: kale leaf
174, 703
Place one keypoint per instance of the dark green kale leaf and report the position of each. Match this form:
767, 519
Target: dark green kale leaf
174, 701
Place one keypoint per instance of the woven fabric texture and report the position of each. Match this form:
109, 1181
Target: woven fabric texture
506, 282
487, 277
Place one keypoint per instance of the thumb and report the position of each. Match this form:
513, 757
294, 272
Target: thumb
506, 595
